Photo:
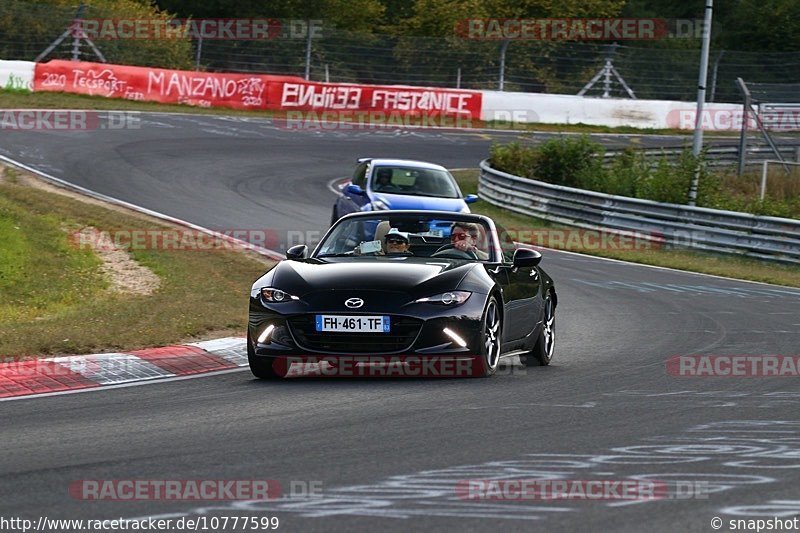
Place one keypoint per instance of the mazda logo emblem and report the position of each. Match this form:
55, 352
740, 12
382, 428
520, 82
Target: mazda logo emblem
354, 303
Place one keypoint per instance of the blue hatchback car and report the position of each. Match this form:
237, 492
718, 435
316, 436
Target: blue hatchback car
381, 184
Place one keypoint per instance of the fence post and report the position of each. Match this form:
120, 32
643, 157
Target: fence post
764, 167
697, 141
745, 119
76, 35
308, 50
714, 75
199, 50
797, 157
503, 48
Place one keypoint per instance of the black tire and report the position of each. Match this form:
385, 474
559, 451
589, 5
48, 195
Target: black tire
491, 339
261, 367
542, 353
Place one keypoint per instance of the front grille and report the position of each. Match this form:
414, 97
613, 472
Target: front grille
402, 333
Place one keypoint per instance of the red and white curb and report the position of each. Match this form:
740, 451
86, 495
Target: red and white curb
32, 377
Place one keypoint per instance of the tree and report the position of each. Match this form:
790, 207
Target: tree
28, 27
357, 15
439, 17
762, 25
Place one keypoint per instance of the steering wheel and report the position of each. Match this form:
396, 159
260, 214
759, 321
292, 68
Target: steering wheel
451, 252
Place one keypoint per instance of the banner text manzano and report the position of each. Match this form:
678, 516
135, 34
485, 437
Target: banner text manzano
249, 91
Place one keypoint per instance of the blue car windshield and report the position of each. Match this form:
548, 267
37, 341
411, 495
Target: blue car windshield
414, 181
404, 235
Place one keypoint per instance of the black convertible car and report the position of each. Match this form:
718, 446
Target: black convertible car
404, 288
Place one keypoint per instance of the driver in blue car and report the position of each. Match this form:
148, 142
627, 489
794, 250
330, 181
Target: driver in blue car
383, 179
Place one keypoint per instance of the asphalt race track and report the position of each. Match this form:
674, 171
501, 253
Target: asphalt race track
237, 173
389, 453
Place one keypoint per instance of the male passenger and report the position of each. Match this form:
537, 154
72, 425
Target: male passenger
397, 243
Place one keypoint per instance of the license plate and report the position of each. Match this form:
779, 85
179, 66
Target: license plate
353, 323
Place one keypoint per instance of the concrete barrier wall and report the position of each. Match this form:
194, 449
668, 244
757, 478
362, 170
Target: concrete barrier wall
531, 107
16, 74
613, 112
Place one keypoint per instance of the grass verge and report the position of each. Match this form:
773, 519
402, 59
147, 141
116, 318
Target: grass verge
53, 100
689, 260
54, 298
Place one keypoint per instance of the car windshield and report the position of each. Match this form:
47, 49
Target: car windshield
414, 181
396, 236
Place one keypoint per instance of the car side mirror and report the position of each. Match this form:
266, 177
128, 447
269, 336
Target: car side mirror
471, 198
298, 251
525, 257
354, 189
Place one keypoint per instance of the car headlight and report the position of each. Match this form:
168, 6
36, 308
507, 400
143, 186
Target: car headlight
273, 295
446, 298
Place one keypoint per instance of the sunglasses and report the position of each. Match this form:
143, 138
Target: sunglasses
395, 241
462, 236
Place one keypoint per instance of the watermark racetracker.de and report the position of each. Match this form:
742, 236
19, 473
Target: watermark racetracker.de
541, 489
52, 120
734, 366
238, 29
185, 239
578, 29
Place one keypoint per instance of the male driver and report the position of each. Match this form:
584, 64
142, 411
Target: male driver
464, 237
383, 179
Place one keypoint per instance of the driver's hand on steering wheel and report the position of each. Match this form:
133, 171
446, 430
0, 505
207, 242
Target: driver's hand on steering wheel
462, 245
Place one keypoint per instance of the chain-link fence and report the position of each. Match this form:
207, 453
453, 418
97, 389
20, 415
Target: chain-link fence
654, 70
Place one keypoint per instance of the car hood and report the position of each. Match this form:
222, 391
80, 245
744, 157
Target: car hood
427, 203
383, 274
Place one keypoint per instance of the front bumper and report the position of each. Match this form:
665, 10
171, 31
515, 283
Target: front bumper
419, 330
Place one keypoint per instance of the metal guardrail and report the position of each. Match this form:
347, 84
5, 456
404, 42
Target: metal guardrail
718, 156
771, 238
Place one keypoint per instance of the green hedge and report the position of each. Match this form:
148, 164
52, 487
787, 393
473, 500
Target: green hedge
578, 162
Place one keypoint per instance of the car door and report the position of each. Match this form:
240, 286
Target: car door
349, 202
520, 292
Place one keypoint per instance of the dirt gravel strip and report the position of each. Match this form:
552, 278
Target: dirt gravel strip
32, 377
